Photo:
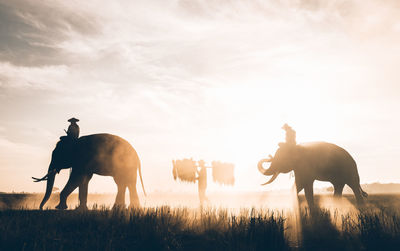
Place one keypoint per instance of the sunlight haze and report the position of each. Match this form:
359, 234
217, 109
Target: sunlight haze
212, 80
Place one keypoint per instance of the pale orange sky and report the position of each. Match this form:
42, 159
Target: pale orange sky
204, 79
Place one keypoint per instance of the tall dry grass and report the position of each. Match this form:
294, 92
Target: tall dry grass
159, 228
338, 225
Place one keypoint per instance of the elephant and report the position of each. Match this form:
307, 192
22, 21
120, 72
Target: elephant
102, 154
315, 161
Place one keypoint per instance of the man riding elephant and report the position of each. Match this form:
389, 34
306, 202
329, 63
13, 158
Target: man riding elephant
290, 135
73, 128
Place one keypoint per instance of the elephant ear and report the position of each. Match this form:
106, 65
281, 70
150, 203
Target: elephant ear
67, 141
287, 157
297, 156
66, 145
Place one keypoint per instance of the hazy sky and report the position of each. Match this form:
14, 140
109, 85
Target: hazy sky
205, 79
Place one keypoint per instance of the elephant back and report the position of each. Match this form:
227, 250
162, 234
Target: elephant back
102, 150
327, 154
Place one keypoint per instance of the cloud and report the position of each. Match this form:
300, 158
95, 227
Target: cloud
14, 152
27, 78
31, 31
183, 43
193, 72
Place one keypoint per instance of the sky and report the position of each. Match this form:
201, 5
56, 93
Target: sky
212, 80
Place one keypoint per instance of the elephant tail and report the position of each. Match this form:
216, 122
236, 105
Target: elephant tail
141, 179
363, 193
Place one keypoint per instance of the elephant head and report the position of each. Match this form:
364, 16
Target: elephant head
283, 161
60, 159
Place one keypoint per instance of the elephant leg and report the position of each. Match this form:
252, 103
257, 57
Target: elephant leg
83, 192
338, 190
74, 180
309, 193
299, 187
134, 198
357, 193
120, 199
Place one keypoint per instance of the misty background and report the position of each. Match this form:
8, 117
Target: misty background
213, 80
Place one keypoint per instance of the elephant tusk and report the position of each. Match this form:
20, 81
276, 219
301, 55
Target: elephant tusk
271, 180
44, 177
38, 180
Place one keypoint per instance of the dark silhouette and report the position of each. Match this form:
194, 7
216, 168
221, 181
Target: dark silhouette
290, 134
185, 170
73, 128
315, 161
102, 154
202, 181
223, 173
188, 171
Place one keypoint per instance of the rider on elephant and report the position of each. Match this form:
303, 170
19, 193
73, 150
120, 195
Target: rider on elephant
290, 135
73, 128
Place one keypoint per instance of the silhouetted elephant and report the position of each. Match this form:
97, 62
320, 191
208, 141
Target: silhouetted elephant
315, 161
102, 154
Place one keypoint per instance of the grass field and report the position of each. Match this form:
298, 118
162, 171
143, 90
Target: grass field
339, 225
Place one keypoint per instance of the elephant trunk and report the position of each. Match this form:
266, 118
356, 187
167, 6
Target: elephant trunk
268, 171
49, 187
264, 171
272, 179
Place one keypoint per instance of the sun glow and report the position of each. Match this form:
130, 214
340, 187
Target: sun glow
256, 114
219, 85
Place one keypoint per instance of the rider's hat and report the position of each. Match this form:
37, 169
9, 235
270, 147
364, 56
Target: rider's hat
73, 120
